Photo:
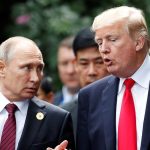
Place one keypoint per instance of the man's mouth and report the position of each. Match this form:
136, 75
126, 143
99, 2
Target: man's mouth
31, 90
107, 61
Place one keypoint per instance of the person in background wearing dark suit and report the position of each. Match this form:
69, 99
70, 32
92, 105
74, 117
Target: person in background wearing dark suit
67, 73
37, 124
89, 66
45, 91
105, 120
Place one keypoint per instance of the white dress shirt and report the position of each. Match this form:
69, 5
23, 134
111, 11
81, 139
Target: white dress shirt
68, 96
20, 115
140, 94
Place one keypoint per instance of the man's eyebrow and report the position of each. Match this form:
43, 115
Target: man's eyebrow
83, 59
87, 59
99, 57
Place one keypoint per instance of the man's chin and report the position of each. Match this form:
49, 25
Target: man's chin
29, 95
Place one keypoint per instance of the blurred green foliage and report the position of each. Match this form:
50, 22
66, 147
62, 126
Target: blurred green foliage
47, 22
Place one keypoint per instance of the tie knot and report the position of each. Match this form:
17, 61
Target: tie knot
11, 108
129, 83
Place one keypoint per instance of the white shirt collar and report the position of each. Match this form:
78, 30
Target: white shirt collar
67, 95
3, 101
22, 105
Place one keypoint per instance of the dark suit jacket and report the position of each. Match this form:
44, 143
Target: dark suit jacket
55, 127
97, 117
72, 107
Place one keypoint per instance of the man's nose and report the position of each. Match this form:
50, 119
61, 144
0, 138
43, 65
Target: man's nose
91, 69
104, 47
34, 76
70, 68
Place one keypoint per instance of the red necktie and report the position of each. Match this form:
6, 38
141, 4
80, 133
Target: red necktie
9, 131
127, 138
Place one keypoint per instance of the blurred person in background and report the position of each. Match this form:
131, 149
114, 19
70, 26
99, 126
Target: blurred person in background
89, 66
46, 91
67, 73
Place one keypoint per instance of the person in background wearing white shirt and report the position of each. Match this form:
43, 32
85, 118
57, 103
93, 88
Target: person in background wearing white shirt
67, 73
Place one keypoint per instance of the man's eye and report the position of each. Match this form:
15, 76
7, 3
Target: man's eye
63, 63
40, 68
99, 62
113, 39
99, 43
27, 68
83, 64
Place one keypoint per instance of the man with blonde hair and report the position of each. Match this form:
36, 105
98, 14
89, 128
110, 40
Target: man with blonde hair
113, 113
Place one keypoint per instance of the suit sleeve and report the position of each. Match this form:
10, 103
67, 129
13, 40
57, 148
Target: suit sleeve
82, 141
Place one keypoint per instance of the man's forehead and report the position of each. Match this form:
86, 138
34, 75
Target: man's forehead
108, 34
32, 62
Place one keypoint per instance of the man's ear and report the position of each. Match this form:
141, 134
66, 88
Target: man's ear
2, 68
140, 43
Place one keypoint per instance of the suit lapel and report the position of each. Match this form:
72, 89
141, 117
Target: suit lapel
32, 125
109, 98
145, 143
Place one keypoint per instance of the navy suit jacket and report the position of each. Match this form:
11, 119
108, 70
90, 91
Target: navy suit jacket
97, 117
55, 127
72, 107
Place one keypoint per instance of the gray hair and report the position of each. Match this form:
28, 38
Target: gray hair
7, 48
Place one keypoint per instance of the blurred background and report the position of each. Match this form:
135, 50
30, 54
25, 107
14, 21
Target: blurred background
47, 22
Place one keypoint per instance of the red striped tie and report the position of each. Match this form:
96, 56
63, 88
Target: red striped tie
127, 138
9, 131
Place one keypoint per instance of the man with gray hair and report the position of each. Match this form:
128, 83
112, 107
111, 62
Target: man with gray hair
26, 122
113, 113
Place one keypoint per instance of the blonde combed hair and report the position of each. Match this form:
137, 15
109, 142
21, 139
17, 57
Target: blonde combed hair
134, 21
